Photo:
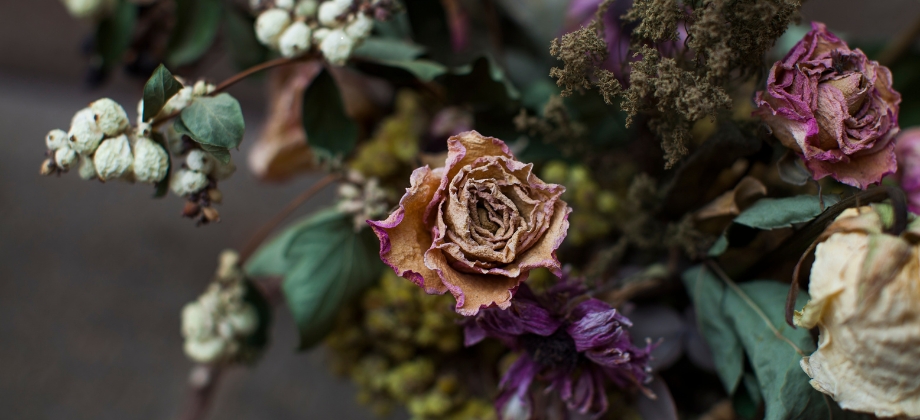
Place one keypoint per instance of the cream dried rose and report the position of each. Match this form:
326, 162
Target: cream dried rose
476, 226
865, 300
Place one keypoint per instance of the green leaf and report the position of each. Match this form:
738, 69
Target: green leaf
114, 34
197, 23
330, 131
325, 263
754, 313
775, 213
220, 153
216, 123
245, 49
376, 48
159, 88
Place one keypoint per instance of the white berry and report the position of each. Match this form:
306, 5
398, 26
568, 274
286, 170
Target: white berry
271, 24
360, 28
89, 9
65, 158
320, 34
244, 320
113, 159
284, 4
295, 40
306, 8
206, 350
110, 117
198, 160
150, 161
56, 139
87, 169
330, 11
174, 140
185, 182
337, 47
84, 135
202, 88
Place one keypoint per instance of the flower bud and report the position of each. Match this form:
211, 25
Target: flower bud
270, 25
113, 158
210, 214
185, 182
84, 135
87, 169
198, 160
330, 11
295, 40
337, 47
65, 158
56, 139
110, 117
360, 28
150, 161
222, 170
306, 8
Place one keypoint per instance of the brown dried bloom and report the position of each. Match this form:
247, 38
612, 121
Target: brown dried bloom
865, 300
583, 53
476, 226
555, 126
657, 18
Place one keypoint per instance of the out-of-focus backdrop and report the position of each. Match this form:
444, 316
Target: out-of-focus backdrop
93, 277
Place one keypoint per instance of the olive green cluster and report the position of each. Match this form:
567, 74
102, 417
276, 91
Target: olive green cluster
403, 347
594, 208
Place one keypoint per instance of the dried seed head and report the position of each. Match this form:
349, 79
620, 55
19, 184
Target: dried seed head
85, 135
113, 158
110, 117
150, 161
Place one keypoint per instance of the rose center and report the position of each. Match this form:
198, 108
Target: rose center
555, 351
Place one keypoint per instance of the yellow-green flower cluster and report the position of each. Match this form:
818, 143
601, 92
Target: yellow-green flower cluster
395, 143
396, 346
594, 207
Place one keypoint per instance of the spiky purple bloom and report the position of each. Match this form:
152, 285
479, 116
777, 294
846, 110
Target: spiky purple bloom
566, 340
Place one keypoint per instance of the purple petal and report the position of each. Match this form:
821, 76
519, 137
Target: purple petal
514, 402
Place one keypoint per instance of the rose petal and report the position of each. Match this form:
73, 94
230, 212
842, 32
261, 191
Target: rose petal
472, 291
858, 171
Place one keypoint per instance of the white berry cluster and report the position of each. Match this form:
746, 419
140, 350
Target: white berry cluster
217, 325
103, 143
334, 27
90, 9
363, 198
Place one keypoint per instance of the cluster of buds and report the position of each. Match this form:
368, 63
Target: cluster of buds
105, 146
363, 198
218, 326
335, 27
197, 180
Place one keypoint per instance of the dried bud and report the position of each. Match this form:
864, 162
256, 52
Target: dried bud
150, 161
360, 28
864, 300
65, 158
185, 182
56, 139
215, 196
210, 214
330, 11
48, 167
84, 135
295, 40
191, 209
113, 158
222, 170
199, 160
271, 24
110, 117
337, 47
87, 169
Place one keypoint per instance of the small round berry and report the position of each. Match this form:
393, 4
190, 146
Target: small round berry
320, 34
110, 117
65, 158
56, 139
306, 8
206, 350
244, 320
271, 24
150, 161
202, 88
185, 182
113, 158
360, 28
284, 4
89, 9
295, 40
330, 11
84, 135
337, 47
199, 160
87, 169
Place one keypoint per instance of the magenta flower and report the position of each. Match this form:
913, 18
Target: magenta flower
908, 153
835, 108
573, 349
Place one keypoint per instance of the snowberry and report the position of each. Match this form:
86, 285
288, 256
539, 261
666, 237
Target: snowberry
284, 4
113, 158
306, 8
337, 47
185, 182
87, 169
320, 34
198, 160
360, 28
330, 11
84, 135
56, 139
89, 9
295, 40
270, 24
150, 161
110, 117
202, 88
244, 320
65, 158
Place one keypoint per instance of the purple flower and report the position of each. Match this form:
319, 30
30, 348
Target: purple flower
908, 153
573, 349
835, 108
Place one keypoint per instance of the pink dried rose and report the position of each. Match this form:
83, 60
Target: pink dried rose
835, 108
476, 226
908, 153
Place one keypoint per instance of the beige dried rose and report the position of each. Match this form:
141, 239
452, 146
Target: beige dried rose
476, 226
865, 300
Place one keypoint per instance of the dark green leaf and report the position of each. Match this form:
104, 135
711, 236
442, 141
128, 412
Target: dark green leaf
325, 263
220, 153
775, 213
114, 34
388, 49
162, 187
197, 23
330, 131
159, 88
245, 48
213, 121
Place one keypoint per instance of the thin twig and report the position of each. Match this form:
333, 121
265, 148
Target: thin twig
718, 270
203, 384
270, 226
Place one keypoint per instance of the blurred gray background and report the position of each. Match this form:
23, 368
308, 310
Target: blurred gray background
93, 277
